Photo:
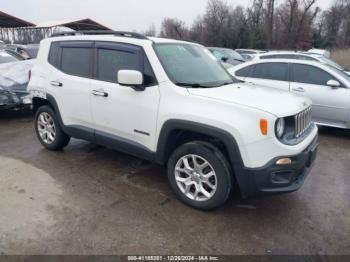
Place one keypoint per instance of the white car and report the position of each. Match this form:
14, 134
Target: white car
172, 103
322, 52
300, 56
326, 86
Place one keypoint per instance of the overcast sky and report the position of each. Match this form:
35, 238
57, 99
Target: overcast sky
125, 15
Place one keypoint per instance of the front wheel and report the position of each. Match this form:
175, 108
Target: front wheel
48, 129
200, 175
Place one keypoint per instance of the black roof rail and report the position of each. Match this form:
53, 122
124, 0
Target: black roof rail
100, 32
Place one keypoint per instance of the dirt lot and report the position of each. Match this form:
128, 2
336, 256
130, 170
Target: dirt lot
91, 200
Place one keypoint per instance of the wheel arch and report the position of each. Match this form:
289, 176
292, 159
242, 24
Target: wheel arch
172, 135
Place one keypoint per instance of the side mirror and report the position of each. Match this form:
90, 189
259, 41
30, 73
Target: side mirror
333, 83
224, 58
131, 78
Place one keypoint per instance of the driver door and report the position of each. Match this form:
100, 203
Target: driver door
119, 112
330, 104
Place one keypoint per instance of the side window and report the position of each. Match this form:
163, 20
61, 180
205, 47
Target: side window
310, 75
110, 61
76, 61
53, 54
245, 71
272, 71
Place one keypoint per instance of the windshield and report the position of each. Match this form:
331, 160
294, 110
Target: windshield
192, 65
330, 62
6, 58
232, 54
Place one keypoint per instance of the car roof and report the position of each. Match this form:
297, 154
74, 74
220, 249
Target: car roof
114, 38
291, 61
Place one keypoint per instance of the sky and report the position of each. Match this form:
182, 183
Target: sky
123, 15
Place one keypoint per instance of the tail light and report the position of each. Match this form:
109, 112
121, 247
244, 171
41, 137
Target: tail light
29, 74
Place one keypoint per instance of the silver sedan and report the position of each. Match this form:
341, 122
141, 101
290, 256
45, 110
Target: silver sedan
328, 87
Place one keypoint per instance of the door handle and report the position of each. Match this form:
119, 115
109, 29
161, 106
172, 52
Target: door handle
299, 89
99, 93
56, 83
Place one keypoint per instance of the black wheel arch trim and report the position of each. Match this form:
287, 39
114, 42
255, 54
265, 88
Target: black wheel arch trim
234, 155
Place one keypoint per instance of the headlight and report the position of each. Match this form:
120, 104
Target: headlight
280, 127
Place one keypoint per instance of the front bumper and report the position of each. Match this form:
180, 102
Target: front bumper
273, 178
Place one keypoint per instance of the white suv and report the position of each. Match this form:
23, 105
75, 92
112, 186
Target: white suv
172, 103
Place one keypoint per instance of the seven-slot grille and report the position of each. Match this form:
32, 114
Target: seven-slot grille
302, 122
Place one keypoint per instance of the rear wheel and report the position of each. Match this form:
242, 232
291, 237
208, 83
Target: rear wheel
48, 129
200, 175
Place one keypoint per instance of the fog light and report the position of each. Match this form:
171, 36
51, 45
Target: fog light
284, 161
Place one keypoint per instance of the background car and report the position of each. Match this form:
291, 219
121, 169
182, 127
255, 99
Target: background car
300, 56
8, 57
25, 51
14, 78
249, 54
328, 87
227, 55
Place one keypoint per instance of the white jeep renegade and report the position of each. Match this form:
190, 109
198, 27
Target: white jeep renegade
171, 102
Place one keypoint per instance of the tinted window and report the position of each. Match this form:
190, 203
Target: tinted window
310, 75
109, 62
53, 55
76, 61
245, 72
272, 71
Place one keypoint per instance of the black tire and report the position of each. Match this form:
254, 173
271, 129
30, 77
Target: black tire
220, 166
61, 139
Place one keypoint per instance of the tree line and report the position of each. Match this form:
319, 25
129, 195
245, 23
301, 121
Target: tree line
265, 24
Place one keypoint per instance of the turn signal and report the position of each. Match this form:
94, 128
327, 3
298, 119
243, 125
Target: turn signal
263, 126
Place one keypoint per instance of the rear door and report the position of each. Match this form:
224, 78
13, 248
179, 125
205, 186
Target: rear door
330, 105
70, 81
271, 75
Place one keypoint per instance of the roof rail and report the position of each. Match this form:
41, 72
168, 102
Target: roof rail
100, 32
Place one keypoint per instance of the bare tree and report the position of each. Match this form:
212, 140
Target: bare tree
173, 28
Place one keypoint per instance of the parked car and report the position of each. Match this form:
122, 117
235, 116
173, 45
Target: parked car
170, 102
227, 55
6, 57
322, 52
249, 54
300, 56
13, 84
328, 87
25, 51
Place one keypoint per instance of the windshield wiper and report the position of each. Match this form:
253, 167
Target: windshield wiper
196, 85
225, 84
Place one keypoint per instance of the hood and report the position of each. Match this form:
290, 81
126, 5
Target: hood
273, 101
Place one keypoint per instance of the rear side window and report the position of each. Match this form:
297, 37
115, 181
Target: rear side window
109, 62
271, 71
53, 55
245, 71
76, 61
310, 75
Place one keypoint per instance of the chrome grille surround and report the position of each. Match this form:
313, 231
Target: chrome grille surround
302, 122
